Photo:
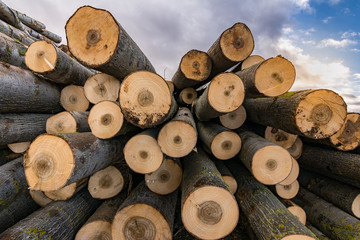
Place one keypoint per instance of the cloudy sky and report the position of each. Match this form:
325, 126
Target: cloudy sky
321, 37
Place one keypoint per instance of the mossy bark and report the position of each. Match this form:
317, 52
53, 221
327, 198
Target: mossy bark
15, 33
12, 52
317, 232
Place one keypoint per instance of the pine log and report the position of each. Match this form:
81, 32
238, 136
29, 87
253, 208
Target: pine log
269, 163
235, 119
145, 215
142, 152
295, 209
146, 100
268, 217
293, 174
19, 147
310, 113
100, 87
205, 215
16, 34
187, 96
46, 59
218, 140
195, 67
98, 226
178, 137
280, 137
286, 191
224, 94
66, 192
98, 41
167, 178
227, 176
39, 197
58, 220
296, 149
316, 231
341, 195
73, 98
248, 62
68, 122
54, 161
12, 52
7, 155
329, 219
23, 92
20, 127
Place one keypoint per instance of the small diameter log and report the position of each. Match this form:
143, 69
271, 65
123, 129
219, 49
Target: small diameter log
145, 215
54, 161
68, 122
227, 176
73, 99
317, 232
100, 87
17, 127
58, 220
106, 120
204, 215
66, 192
221, 142
310, 113
178, 137
195, 67
19, 147
296, 149
145, 99
235, 119
30, 22
341, 195
52, 36
248, 62
12, 52
16, 34
294, 173
280, 137
296, 210
268, 217
21, 91
142, 152
39, 197
269, 163
187, 96
98, 41
98, 226
167, 178
329, 219
224, 94
287, 191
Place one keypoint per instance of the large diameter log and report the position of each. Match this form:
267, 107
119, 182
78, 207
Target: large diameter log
23, 92
145, 99
194, 67
97, 40
178, 137
227, 176
204, 215
19, 147
12, 52
15, 33
329, 219
341, 195
68, 122
296, 149
317, 232
73, 98
145, 215
268, 217
220, 141
100, 87
269, 163
234, 119
310, 113
248, 62
54, 161
224, 94
44, 58
20, 127
280, 137
58, 220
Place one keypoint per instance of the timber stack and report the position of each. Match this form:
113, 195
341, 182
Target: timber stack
94, 144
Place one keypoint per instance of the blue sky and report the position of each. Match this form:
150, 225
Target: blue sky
321, 38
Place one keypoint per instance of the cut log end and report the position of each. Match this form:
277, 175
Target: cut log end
235, 119
299, 237
166, 179
226, 145
62, 194
97, 230
105, 119
62, 122
355, 207
210, 216
140, 221
170, 85
196, 65
271, 164
106, 183
251, 60
231, 183
293, 174
348, 137
92, 42
72, 98
287, 191
298, 212
280, 137
48, 168
188, 95
41, 57
19, 147
296, 149
100, 87
39, 197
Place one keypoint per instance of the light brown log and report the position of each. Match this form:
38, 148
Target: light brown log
187, 96
224, 94
66, 192
248, 62
235, 119
39, 197
12, 51
293, 174
97, 40
19, 147
295, 209
280, 137
227, 176
195, 67
296, 149
68, 122
73, 98
100, 87
287, 191
310, 113
171, 86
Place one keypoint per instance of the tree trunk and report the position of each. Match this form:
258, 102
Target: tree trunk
145, 215
296, 149
187, 96
235, 119
327, 218
23, 92
209, 210
293, 174
268, 217
18, 127
12, 52
220, 141
317, 233
194, 67
78, 153
6, 155
310, 113
58, 220
296, 210
341, 195
227, 176
68, 122
52, 36
101, 87
269, 163
280, 137
108, 48
44, 58
248, 62
178, 137
73, 99
15, 33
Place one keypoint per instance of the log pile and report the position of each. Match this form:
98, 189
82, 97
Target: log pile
105, 148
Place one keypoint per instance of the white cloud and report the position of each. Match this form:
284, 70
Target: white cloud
326, 20
356, 75
350, 34
356, 50
287, 30
304, 5
308, 42
334, 2
336, 43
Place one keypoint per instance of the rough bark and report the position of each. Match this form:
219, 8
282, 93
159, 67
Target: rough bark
7, 155
16, 34
317, 233
238, 234
226, 175
30, 22
12, 52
